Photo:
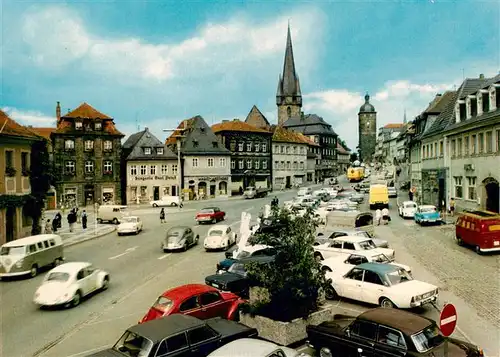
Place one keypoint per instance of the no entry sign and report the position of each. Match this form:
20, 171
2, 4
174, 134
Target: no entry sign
448, 320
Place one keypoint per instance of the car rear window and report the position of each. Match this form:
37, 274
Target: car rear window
207, 211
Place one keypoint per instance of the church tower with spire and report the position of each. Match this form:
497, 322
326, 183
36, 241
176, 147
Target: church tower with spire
288, 95
367, 129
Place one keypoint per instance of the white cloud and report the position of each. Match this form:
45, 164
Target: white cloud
56, 37
30, 117
340, 107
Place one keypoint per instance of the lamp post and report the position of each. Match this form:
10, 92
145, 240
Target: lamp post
178, 138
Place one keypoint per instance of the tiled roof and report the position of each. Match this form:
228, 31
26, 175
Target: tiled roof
284, 135
237, 125
394, 126
475, 120
309, 124
439, 103
341, 149
10, 127
138, 141
256, 118
85, 111
44, 132
198, 138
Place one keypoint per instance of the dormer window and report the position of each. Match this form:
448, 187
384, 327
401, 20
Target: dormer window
78, 125
493, 98
88, 127
486, 102
462, 111
195, 143
98, 125
147, 151
159, 151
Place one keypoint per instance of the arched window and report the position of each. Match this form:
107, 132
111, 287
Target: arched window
289, 112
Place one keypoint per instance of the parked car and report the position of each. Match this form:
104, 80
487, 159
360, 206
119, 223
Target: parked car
246, 347
210, 215
179, 238
386, 285
346, 245
130, 224
427, 214
357, 197
341, 264
68, 283
246, 252
392, 192
479, 229
304, 191
235, 278
219, 237
252, 192
407, 209
177, 335
325, 237
385, 333
166, 201
198, 300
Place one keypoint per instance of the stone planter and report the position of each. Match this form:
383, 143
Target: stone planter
286, 333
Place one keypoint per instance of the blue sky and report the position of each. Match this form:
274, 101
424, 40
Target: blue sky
153, 63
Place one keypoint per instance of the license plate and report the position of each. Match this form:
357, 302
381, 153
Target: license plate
495, 228
496, 243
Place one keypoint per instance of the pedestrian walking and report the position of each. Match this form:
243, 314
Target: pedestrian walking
452, 206
54, 224
410, 194
84, 219
378, 216
78, 216
162, 216
48, 227
71, 220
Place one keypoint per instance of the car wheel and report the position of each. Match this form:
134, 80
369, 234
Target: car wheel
325, 352
137, 231
57, 262
386, 303
165, 250
459, 240
34, 271
76, 299
326, 269
185, 247
477, 249
214, 220
99, 220
318, 257
227, 246
115, 220
105, 283
330, 293
155, 205
173, 204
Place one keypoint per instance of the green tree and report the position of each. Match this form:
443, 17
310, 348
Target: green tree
354, 156
294, 280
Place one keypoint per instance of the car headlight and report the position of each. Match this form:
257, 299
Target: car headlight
19, 263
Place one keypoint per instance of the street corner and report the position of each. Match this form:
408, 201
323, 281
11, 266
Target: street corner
86, 236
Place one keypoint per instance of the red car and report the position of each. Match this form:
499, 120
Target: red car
198, 300
210, 215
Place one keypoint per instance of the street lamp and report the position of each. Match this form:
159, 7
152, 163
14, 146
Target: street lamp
178, 138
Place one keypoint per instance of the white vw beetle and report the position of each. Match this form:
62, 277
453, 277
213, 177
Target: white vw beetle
68, 283
219, 237
245, 347
407, 209
347, 245
341, 264
129, 224
386, 285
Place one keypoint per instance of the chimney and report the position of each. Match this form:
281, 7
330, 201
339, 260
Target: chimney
58, 112
438, 95
146, 129
481, 76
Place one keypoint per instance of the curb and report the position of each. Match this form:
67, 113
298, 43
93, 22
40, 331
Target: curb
99, 235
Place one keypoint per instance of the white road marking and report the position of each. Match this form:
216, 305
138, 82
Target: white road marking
113, 319
164, 256
449, 320
128, 250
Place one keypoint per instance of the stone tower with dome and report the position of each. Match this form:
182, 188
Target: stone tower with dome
367, 128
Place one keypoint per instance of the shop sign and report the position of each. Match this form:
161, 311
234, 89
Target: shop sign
213, 178
154, 177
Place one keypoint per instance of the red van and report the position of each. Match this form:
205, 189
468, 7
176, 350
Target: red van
480, 229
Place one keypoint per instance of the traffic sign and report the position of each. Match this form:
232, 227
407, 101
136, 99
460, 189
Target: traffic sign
448, 320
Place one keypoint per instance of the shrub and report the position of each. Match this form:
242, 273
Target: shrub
294, 279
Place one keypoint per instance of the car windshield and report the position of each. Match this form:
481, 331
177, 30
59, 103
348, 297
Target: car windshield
398, 276
427, 339
362, 234
215, 232
58, 276
163, 304
410, 205
207, 211
133, 345
173, 234
367, 245
129, 219
427, 209
243, 254
237, 268
13, 250
380, 258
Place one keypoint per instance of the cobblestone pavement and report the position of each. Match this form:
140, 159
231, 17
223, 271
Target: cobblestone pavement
475, 278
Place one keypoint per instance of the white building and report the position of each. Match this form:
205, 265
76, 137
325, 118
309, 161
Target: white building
151, 168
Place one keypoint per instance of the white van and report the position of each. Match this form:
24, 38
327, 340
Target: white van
111, 213
26, 256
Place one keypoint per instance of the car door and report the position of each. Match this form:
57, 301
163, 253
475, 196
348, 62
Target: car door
91, 276
203, 340
348, 248
174, 346
372, 287
350, 284
213, 305
188, 235
333, 248
362, 335
83, 281
191, 307
390, 342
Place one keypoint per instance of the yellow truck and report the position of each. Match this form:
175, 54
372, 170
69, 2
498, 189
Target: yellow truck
378, 196
355, 174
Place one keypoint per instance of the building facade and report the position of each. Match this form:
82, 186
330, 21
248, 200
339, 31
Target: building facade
206, 163
367, 129
151, 169
15, 153
290, 162
250, 149
343, 157
87, 153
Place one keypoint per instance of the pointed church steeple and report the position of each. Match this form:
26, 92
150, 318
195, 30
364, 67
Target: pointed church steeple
288, 94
